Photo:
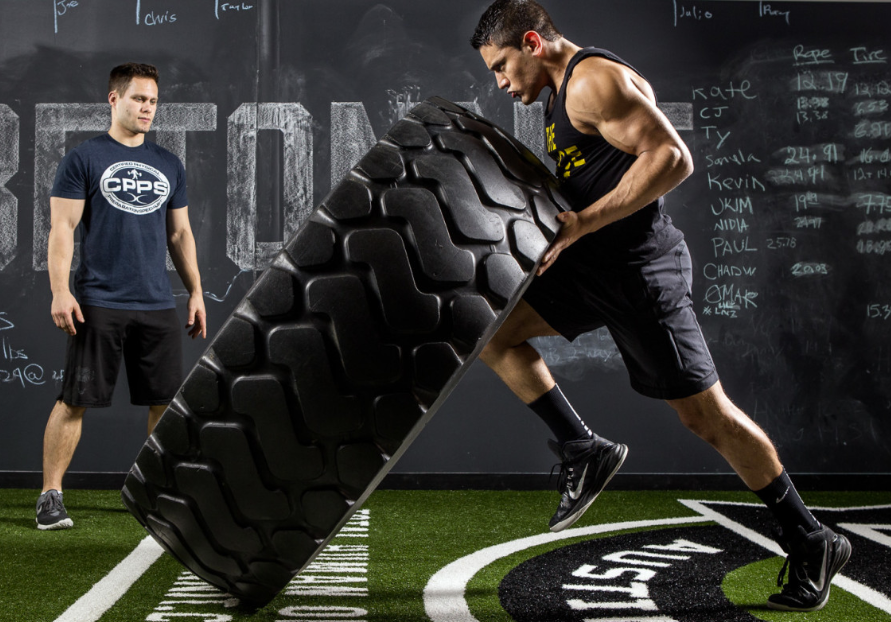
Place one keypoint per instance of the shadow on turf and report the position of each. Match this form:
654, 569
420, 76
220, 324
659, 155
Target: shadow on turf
22, 523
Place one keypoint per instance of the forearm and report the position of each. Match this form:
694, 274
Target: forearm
653, 174
59, 257
185, 259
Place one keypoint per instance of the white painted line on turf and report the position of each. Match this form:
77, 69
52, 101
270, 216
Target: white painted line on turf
444, 599
867, 594
115, 584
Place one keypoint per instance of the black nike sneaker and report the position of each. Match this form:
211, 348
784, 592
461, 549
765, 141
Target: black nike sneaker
51, 512
813, 560
587, 466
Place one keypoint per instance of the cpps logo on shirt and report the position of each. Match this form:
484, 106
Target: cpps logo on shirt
134, 187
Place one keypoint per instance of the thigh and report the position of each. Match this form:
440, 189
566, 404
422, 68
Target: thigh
523, 323
658, 333
567, 297
93, 358
153, 353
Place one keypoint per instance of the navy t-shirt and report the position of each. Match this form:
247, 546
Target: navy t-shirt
123, 248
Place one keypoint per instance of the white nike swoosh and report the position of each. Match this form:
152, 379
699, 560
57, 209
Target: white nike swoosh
825, 572
783, 497
575, 494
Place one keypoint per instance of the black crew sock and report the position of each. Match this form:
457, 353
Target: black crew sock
783, 500
556, 411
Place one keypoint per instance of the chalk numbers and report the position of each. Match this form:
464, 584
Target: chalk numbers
878, 311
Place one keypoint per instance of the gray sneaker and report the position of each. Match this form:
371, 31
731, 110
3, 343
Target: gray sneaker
51, 512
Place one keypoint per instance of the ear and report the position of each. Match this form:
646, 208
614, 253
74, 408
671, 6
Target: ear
534, 42
112, 98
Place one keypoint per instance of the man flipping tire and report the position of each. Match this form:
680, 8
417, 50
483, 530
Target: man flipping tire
619, 262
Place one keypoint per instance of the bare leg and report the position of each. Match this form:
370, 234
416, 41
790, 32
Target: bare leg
516, 362
714, 418
59, 442
154, 416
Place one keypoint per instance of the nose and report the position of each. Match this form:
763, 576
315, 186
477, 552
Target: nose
502, 81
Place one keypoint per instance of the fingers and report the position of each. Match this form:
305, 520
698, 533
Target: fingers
197, 323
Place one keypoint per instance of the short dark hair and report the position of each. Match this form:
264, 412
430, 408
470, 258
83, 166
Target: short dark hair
506, 21
122, 75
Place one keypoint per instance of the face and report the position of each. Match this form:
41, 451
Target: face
519, 72
134, 111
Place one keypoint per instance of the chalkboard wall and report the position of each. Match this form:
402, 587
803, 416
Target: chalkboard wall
785, 106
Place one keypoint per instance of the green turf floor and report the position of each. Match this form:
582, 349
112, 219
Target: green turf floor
411, 535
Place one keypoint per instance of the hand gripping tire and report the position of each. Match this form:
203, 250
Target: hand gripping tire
343, 349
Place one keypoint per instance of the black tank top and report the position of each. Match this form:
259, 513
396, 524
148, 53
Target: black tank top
588, 167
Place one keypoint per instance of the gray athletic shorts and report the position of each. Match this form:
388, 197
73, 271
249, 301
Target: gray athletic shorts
647, 309
150, 344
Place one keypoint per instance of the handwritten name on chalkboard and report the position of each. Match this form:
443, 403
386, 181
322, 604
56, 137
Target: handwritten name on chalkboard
60, 9
230, 7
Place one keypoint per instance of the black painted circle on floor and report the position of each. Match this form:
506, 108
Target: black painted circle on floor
671, 573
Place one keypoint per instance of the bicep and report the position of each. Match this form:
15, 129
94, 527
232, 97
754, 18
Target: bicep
178, 221
624, 115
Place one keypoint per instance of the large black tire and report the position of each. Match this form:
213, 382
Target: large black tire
343, 349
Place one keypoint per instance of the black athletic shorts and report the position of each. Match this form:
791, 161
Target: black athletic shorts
150, 344
647, 309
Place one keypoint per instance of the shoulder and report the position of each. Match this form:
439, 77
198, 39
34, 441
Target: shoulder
167, 156
597, 77
602, 89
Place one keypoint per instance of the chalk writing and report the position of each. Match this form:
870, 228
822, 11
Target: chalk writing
873, 129
865, 56
811, 56
714, 271
156, 19
739, 158
869, 156
827, 81
781, 241
805, 201
9, 165
13, 367
735, 205
60, 8
805, 268
873, 247
872, 89
722, 246
732, 224
747, 182
868, 227
873, 203
230, 7
725, 93
878, 311
690, 12
730, 298
766, 10
808, 222
810, 175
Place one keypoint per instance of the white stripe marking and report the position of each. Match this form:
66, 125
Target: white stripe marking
115, 584
867, 594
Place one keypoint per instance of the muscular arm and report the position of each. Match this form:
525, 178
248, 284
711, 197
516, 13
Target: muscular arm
606, 98
65, 215
181, 244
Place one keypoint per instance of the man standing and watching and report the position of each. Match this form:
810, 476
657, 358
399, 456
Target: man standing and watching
129, 198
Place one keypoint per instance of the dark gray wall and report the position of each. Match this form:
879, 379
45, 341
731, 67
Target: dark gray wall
784, 105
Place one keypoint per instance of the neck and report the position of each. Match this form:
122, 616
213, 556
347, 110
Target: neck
560, 52
130, 139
